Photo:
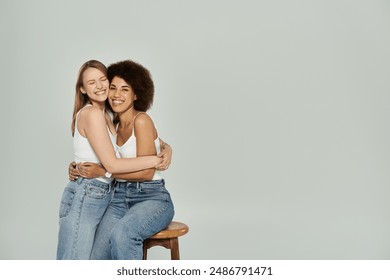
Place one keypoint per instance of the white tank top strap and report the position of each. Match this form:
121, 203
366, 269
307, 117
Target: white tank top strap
87, 105
78, 113
133, 121
137, 116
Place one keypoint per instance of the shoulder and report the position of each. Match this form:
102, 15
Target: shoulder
143, 123
88, 110
143, 119
91, 113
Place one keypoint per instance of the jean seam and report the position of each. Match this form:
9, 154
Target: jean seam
154, 217
76, 240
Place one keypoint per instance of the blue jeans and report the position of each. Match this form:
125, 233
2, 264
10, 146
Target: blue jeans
137, 211
83, 205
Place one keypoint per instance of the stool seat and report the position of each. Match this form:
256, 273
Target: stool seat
167, 238
174, 229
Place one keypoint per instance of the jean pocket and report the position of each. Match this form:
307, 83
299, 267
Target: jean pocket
66, 201
97, 192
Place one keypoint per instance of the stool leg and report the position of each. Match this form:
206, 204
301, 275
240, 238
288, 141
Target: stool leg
174, 245
145, 254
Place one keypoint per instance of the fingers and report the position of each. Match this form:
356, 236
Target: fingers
162, 166
72, 165
72, 172
83, 173
85, 164
84, 170
166, 160
79, 169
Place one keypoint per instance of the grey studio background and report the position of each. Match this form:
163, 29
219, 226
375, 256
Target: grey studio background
277, 112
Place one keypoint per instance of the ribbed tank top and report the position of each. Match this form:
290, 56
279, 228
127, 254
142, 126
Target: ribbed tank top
129, 150
83, 151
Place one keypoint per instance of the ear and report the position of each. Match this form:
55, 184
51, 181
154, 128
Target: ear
135, 97
83, 91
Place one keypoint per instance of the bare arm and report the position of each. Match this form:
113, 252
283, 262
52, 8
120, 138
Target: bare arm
95, 129
93, 170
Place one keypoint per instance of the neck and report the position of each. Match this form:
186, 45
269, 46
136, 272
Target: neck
126, 117
100, 105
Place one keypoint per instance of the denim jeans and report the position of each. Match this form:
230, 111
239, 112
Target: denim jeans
137, 211
83, 205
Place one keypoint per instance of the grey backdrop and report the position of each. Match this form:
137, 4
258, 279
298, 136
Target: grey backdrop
277, 112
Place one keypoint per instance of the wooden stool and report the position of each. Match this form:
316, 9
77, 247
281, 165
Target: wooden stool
167, 238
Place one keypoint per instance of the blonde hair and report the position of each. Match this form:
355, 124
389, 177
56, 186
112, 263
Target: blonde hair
81, 99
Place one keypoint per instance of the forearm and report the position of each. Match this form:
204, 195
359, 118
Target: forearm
96, 132
144, 175
125, 165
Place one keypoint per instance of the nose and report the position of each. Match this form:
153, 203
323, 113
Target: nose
99, 85
112, 93
115, 92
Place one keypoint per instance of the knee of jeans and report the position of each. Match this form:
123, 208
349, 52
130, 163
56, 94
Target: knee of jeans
122, 234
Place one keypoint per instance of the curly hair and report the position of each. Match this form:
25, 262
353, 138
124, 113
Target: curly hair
136, 76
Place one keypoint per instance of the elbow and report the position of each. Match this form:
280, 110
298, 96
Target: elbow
110, 168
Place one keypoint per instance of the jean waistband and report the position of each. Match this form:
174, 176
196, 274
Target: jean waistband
129, 184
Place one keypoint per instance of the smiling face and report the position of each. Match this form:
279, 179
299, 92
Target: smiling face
95, 85
121, 96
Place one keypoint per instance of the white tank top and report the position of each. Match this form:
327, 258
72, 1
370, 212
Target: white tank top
129, 150
83, 151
